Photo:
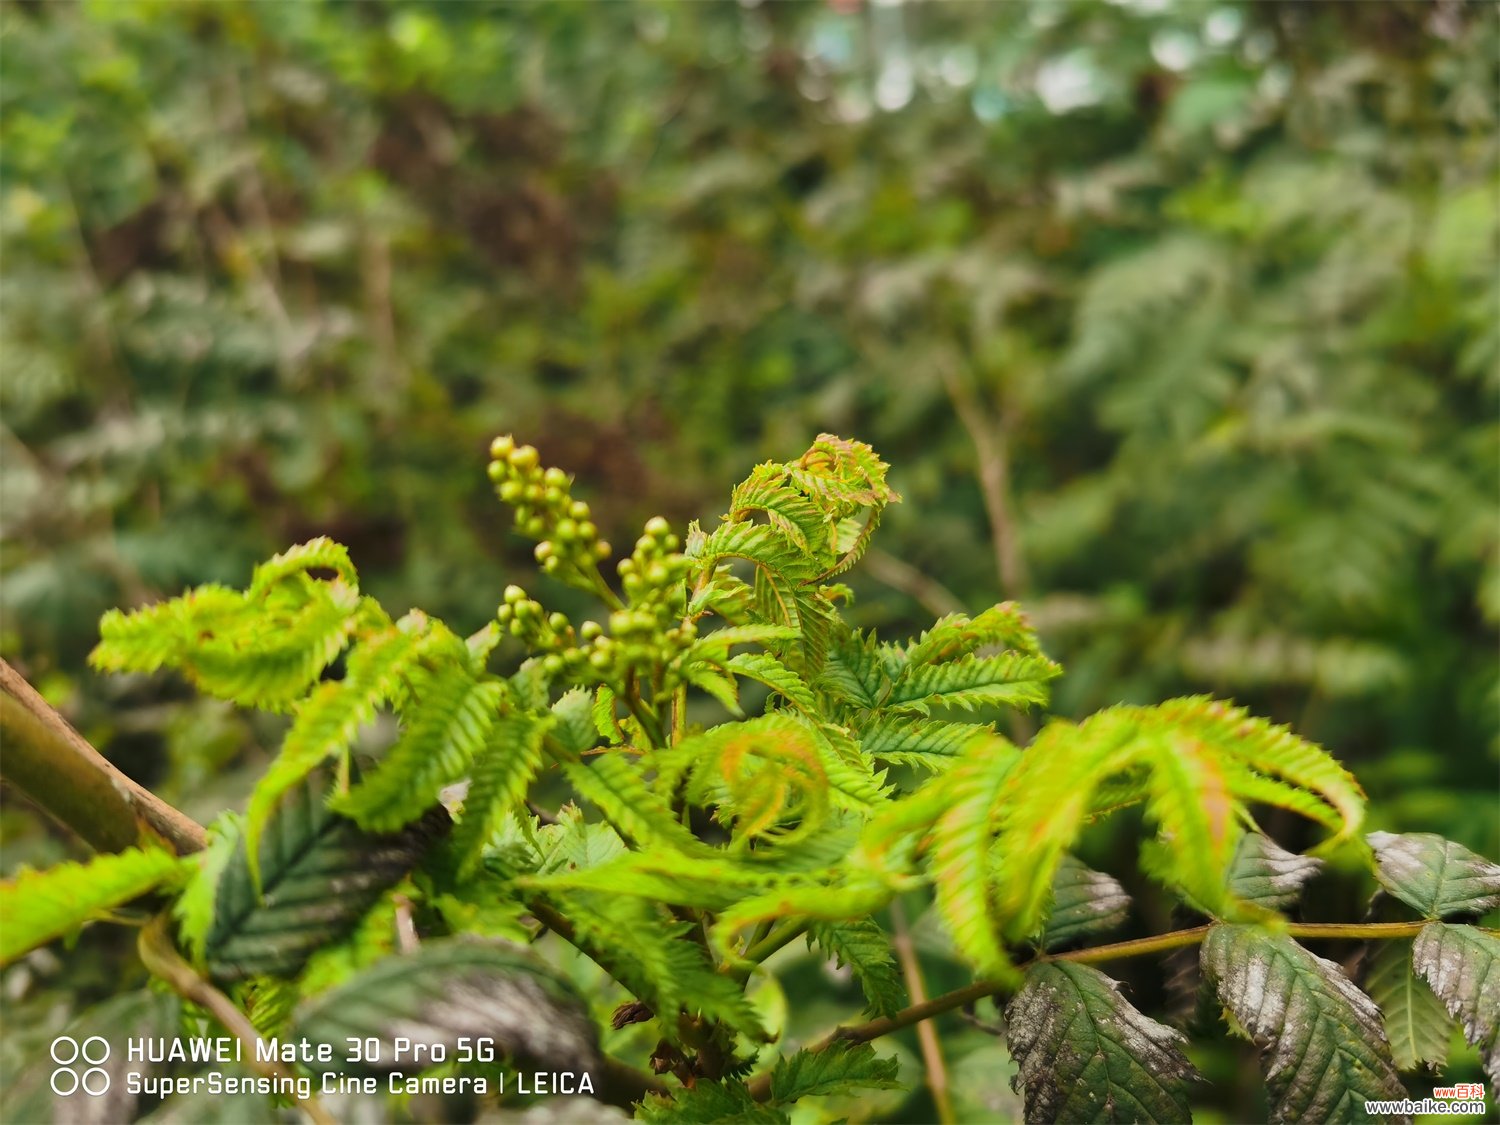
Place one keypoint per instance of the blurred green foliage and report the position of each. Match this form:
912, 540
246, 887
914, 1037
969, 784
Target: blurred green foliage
1178, 321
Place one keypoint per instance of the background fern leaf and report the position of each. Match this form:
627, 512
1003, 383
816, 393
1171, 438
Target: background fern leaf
1086, 1055
498, 784
841, 1068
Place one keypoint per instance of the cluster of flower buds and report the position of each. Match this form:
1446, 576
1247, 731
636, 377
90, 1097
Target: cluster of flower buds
545, 509
652, 578
550, 634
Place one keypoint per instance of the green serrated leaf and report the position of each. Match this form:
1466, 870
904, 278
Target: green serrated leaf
575, 729
1325, 1051
38, 906
498, 783
1435, 876
840, 1068
316, 554
1086, 1055
862, 945
447, 721
456, 988
709, 1103
1084, 902
1461, 964
319, 874
1265, 874
1416, 1023
1012, 678
766, 669
927, 743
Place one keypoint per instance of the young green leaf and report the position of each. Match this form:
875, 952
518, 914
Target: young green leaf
316, 554
575, 728
709, 1103
41, 905
1435, 876
447, 721
452, 989
1012, 678
1325, 1048
1461, 964
1086, 1055
841, 1068
930, 744
319, 874
862, 945
1084, 902
1416, 1023
498, 783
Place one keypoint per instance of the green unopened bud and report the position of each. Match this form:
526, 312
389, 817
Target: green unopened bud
578, 510
555, 478
567, 530
524, 457
671, 542
543, 551
501, 447
559, 622
627, 566
658, 575
552, 664
657, 526
587, 531
511, 490
498, 471
514, 594
590, 630
599, 659
552, 565
621, 622
602, 549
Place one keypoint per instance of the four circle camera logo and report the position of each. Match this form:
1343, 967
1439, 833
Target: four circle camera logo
78, 1065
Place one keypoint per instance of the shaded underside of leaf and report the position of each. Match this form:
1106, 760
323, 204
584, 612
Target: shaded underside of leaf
1084, 902
1264, 873
1416, 1023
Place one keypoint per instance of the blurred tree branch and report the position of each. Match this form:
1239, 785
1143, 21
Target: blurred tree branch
54, 766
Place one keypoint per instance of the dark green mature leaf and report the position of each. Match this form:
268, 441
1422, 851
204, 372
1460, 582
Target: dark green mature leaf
709, 1103
1266, 874
1084, 902
319, 873
841, 1068
38, 906
1462, 966
1325, 1052
455, 988
1087, 1055
864, 947
1416, 1023
1434, 875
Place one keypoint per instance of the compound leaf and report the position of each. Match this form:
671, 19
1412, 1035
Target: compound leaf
709, 1103
1086, 1055
1325, 1051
